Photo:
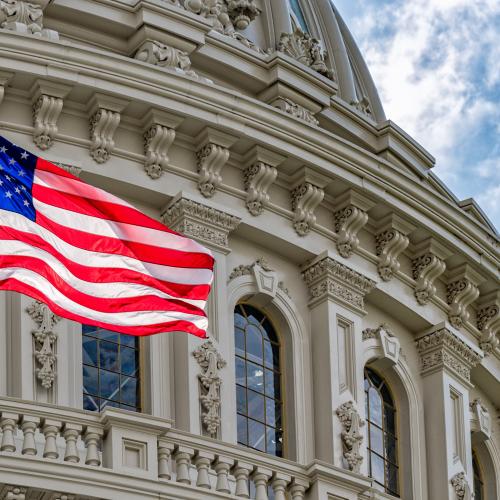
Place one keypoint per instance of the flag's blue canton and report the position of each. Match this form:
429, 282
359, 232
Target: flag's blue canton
17, 168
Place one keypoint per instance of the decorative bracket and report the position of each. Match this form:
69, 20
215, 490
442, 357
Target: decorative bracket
105, 118
351, 435
212, 154
159, 135
5, 78
480, 421
26, 17
461, 486
391, 347
259, 174
488, 322
391, 241
47, 106
210, 362
45, 342
462, 290
307, 194
350, 217
427, 265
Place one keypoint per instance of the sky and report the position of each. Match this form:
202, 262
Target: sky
436, 64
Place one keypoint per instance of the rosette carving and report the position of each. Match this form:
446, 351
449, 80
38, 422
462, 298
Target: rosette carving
257, 180
351, 435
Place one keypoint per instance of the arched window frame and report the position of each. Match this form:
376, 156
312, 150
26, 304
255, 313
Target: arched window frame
479, 493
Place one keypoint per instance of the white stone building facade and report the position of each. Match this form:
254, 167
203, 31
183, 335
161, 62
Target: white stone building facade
354, 319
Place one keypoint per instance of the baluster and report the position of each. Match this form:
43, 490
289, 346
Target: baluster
260, 478
202, 462
164, 454
92, 439
241, 472
50, 430
182, 462
71, 432
8, 424
222, 467
279, 484
298, 490
29, 426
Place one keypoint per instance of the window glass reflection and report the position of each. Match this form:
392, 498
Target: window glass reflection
110, 370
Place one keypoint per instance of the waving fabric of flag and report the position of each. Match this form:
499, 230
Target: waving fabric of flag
92, 257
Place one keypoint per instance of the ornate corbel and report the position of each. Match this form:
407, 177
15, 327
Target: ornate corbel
45, 342
327, 278
258, 176
5, 78
480, 420
427, 265
305, 49
350, 217
351, 435
200, 222
461, 291
461, 486
488, 322
23, 16
391, 241
212, 154
48, 98
104, 120
210, 362
159, 135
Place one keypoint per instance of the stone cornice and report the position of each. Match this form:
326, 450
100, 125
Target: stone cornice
442, 350
201, 222
327, 278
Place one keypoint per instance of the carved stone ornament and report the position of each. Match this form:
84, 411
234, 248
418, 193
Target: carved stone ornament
426, 268
45, 342
305, 49
462, 290
461, 486
157, 142
443, 350
328, 278
46, 111
488, 323
159, 54
103, 125
306, 197
25, 17
5, 77
481, 425
362, 105
351, 435
198, 221
211, 159
391, 347
10, 492
294, 109
210, 362
257, 180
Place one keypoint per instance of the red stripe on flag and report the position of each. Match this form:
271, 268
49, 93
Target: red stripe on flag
42, 164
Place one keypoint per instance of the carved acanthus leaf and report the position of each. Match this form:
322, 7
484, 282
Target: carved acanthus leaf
211, 159
461, 486
306, 197
348, 222
46, 111
351, 435
24, 16
157, 142
257, 180
459, 295
426, 269
390, 245
305, 49
211, 363
45, 342
488, 323
103, 125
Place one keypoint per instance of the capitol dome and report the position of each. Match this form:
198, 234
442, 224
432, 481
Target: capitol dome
354, 318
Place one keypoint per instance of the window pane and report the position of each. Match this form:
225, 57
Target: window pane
89, 352
254, 343
256, 435
273, 385
389, 418
241, 400
129, 391
239, 342
240, 371
274, 441
108, 356
129, 340
90, 403
109, 385
375, 402
107, 335
376, 440
255, 377
90, 380
242, 430
377, 468
392, 478
255, 406
390, 446
129, 361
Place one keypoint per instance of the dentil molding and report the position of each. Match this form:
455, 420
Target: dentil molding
201, 222
351, 435
442, 350
327, 278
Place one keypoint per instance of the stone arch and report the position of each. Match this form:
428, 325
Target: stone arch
395, 370
296, 372
488, 457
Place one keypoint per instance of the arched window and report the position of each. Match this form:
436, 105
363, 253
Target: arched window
478, 479
111, 375
382, 433
258, 381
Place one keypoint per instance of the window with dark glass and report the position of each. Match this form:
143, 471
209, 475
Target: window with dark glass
258, 381
382, 435
478, 479
110, 370
298, 15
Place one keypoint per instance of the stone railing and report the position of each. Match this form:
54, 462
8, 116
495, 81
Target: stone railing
140, 446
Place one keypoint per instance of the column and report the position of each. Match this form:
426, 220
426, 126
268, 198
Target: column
191, 216
337, 307
446, 359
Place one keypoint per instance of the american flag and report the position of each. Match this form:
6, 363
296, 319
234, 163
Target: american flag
92, 257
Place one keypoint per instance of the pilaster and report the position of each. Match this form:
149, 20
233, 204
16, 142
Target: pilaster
446, 360
336, 302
